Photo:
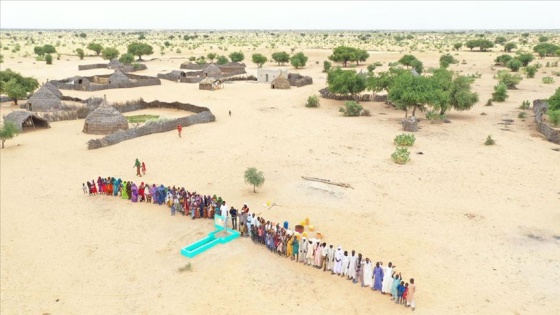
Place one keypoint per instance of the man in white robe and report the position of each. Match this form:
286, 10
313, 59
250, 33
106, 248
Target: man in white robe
311, 247
303, 250
330, 258
338, 261
387, 279
368, 273
352, 266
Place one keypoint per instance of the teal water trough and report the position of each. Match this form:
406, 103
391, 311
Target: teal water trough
211, 240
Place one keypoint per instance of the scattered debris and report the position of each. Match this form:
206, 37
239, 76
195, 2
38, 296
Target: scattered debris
186, 267
327, 181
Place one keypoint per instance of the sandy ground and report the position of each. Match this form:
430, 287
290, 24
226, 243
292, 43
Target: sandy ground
456, 218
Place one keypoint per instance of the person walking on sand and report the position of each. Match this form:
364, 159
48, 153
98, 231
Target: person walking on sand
179, 129
138, 166
143, 168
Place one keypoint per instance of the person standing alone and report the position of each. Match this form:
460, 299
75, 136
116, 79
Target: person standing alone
138, 166
179, 129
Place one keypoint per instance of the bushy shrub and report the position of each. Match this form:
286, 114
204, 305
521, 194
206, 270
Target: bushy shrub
48, 59
530, 71
312, 101
525, 105
327, 66
401, 156
489, 141
522, 115
554, 116
500, 93
547, 80
405, 140
510, 80
351, 108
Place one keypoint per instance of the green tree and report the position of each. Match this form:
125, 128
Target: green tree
38, 50
543, 39
8, 130
450, 91
254, 177
259, 59
383, 81
15, 85
49, 49
345, 82
407, 60
97, 48
514, 64
417, 65
48, 59
503, 59
236, 56
140, 49
80, 53
281, 57
83, 35
484, 44
410, 91
343, 54
547, 49
222, 60
500, 40
525, 58
500, 93
298, 60
457, 46
509, 46
371, 68
211, 56
554, 101
110, 53
127, 58
446, 60
471, 44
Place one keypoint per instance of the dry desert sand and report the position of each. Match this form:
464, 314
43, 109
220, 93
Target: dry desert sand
477, 226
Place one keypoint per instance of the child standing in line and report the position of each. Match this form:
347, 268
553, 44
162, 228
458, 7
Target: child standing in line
405, 293
143, 168
400, 291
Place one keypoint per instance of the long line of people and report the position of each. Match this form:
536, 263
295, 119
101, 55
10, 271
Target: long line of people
277, 239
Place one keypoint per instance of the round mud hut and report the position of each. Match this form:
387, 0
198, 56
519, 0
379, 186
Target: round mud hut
104, 120
206, 84
280, 83
45, 99
118, 77
211, 71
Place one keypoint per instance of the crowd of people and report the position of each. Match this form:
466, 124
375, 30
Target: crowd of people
278, 239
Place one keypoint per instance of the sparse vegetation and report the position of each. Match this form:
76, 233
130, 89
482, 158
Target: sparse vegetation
500, 93
405, 139
351, 108
401, 155
312, 101
547, 80
254, 177
489, 141
140, 118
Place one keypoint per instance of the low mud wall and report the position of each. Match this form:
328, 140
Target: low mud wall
203, 115
551, 134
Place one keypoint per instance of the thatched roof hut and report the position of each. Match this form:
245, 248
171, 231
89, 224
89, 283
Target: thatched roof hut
23, 119
211, 71
206, 84
114, 64
280, 83
104, 120
118, 77
53, 89
44, 100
